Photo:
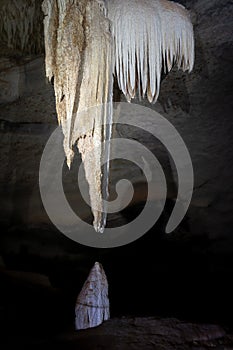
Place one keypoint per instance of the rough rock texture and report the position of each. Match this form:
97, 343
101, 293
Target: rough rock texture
20, 76
152, 333
205, 121
79, 58
92, 304
21, 27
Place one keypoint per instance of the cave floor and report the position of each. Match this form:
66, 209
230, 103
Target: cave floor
36, 315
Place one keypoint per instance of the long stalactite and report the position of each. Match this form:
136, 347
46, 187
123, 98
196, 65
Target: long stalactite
79, 57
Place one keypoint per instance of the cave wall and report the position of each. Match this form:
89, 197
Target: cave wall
21, 27
206, 118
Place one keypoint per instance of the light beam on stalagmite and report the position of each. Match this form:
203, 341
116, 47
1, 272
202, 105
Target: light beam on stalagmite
89, 41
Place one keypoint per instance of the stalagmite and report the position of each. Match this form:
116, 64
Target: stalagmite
87, 42
92, 306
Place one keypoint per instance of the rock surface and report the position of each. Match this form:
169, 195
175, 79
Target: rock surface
20, 77
151, 333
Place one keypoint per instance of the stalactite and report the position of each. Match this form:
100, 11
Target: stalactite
79, 56
88, 41
149, 35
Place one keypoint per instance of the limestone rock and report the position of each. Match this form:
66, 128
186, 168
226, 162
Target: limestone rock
19, 77
92, 306
78, 56
21, 26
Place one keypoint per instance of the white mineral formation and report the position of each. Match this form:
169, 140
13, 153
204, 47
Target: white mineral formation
92, 306
149, 35
79, 56
89, 41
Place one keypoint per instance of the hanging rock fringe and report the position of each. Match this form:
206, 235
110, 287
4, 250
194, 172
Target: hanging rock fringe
92, 306
149, 35
88, 41
21, 26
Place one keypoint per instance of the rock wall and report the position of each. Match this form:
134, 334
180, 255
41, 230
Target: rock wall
204, 116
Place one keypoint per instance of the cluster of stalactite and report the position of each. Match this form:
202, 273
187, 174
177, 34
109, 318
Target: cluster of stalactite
21, 26
87, 42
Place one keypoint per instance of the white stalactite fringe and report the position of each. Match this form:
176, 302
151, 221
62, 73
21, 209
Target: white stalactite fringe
87, 41
92, 305
79, 56
149, 35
